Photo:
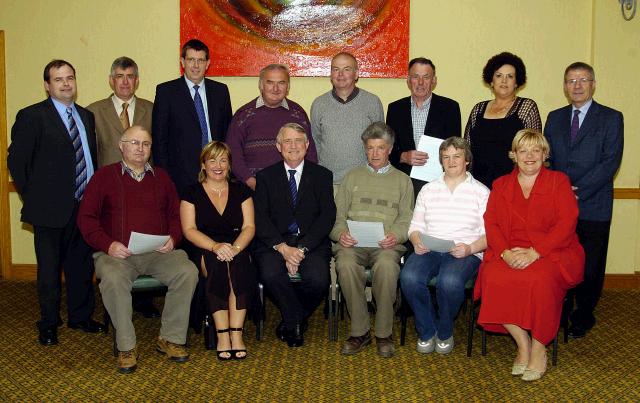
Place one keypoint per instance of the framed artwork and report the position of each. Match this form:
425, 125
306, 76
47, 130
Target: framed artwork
245, 35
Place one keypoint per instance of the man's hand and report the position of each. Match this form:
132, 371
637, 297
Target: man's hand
251, 182
347, 240
414, 157
292, 268
292, 255
460, 250
167, 247
418, 246
389, 241
118, 250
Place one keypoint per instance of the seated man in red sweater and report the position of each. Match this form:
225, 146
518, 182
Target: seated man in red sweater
127, 196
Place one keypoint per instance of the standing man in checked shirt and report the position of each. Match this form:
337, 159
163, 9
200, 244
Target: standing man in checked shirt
51, 158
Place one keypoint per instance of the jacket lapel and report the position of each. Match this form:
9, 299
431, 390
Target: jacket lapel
56, 120
139, 114
284, 183
185, 94
588, 123
109, 111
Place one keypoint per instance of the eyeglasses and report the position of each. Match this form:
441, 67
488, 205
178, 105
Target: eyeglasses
575, 81
193, 60
136, 143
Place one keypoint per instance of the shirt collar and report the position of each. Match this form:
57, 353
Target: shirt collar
298, 168
381, 171
426, 104
118, 102
125, 168
60, 107
584, 108
350, 98
190, 83
260, 102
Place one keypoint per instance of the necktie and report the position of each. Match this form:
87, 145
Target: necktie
201, 117
124, 117
575, 125
293, 227
81, 165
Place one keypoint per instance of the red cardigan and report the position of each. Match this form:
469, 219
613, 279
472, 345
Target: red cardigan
108, 213
551, 222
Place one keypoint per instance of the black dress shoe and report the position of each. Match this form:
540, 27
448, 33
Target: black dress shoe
88, 326
295, 336
48, 337
148, 311
281, 331
577, 331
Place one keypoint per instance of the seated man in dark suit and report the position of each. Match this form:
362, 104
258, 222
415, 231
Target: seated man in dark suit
423, 113
128, 196
295, 212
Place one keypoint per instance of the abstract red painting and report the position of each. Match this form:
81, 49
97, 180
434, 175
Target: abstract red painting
246, 35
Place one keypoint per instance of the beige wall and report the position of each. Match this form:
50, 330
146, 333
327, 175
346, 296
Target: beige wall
459, 36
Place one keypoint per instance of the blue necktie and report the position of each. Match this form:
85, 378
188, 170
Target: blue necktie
201, 117
575, 125
293, 227
81, 165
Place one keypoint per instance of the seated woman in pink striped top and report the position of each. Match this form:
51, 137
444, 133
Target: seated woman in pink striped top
448, 208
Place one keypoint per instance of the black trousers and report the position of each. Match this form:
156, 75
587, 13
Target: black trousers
594, 238
64, 247
296, 301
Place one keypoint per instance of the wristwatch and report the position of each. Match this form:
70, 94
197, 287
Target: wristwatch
303, 249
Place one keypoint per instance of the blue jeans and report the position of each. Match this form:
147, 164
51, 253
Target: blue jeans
452, 274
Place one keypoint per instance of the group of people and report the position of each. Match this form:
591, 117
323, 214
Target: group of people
268, 194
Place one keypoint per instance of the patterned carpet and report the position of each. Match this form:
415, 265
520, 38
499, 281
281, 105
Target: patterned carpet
602, 367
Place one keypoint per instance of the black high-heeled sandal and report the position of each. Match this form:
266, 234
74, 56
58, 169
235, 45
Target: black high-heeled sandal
219, 353
234, 353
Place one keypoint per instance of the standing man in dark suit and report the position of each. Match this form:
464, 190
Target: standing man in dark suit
423, 113
295, 212
113, 116
586, 141
51, 158
188, 113
120, 110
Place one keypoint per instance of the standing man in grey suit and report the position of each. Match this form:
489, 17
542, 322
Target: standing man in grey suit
423, 113
188, 113
586, 141
113, 116
120, 110
51, 159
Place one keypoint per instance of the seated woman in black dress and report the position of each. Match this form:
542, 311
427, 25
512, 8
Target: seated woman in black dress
217, 217
493, 124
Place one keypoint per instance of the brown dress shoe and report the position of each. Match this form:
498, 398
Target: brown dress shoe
385, 346
354, 344
175, 352
127, 361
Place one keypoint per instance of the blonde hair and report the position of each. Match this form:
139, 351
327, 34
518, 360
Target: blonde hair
213, 150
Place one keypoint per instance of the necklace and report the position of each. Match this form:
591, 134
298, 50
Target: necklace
495, 110
219, 190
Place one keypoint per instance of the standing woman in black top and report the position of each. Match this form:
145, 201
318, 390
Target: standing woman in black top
493, 124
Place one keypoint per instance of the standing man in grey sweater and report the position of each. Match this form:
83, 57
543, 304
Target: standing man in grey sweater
340, 116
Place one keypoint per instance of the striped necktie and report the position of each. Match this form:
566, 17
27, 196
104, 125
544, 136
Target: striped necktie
81, 165
575, 125
293, 227
124, 116
201, 117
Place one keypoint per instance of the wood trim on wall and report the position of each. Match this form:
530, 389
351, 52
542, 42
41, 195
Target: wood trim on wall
5, 212
626, 193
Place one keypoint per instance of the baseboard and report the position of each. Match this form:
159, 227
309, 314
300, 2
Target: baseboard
611, 281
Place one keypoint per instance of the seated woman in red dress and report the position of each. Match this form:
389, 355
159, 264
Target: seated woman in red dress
533, 254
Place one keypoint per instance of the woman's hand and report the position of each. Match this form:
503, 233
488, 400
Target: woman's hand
224, 251
418, 246
520, 258
460, 250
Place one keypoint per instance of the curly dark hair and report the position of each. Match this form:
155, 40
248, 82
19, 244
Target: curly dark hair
500, 60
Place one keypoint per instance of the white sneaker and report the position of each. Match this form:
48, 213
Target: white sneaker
444, 346
426, 347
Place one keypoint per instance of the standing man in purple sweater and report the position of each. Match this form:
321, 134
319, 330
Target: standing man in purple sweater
254, 127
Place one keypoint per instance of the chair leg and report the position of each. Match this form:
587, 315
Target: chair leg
484, 342
330, 318
403, 321
260, 327
470, 324
554, 354
339, 313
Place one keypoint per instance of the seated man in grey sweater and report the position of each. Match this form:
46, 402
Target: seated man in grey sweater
339, 116
375, 191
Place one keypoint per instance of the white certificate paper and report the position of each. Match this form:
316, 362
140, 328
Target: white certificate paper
432, 169
437, 244
368, 234
143, 243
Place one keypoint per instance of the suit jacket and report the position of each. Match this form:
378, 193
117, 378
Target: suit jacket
443, 122
42, 163
592, 160
314, 213
109, 129
177, 139
550, 222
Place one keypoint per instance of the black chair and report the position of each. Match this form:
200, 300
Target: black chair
144, 284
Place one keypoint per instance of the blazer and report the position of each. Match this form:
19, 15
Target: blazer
550, 222
42, 162
443, 122
177, 139
109, 129
315, 212
592, 161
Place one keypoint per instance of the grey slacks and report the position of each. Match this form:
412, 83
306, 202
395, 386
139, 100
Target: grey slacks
173, 269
